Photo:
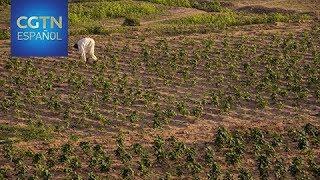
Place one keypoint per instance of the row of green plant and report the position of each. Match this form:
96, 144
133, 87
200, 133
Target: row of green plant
225, 157
232, 73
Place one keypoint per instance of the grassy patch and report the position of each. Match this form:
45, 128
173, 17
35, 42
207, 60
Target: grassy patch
205, 23
90, 12
225, 19
32, 131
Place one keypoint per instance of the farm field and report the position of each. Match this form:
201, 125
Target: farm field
184, 89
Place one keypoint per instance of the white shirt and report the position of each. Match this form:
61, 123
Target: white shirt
86, 45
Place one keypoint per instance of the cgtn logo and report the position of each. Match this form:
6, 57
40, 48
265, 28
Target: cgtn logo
39, 28
33, 23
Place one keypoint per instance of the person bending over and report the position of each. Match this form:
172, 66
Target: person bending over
84, 46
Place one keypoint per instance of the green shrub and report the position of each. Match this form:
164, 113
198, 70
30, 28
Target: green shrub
296, 167
127, 172
131, 22
215, 171
5, 2
244, 174
96, 30
4, 34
